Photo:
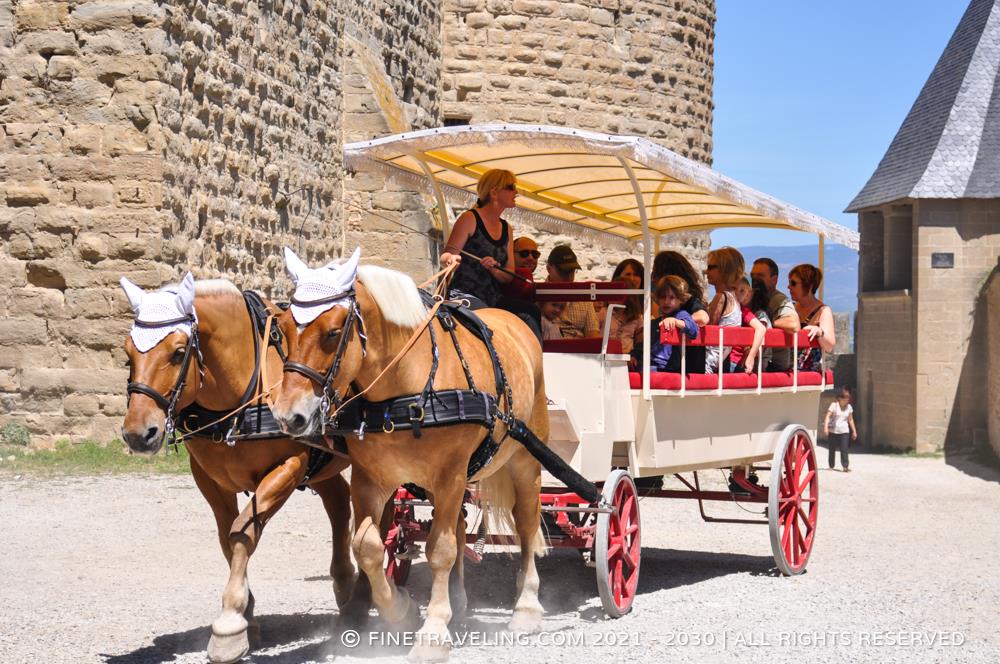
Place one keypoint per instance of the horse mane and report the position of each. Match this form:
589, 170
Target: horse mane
216, 287
395, 294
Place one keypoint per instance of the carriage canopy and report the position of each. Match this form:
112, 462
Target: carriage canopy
574, 181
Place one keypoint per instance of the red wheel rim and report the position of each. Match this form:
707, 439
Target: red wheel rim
624, 546
798, 502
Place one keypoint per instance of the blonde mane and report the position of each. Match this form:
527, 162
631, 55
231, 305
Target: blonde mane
216, 287
395, 294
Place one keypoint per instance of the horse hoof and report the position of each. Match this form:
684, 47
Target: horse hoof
228, 649
525, 622
343, 590
429, 652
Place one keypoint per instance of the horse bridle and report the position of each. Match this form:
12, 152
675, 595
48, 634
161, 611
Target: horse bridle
330, 395
169, 402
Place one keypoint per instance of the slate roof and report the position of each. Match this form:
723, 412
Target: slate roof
949, 144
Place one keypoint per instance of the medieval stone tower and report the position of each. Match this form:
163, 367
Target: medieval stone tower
148, 138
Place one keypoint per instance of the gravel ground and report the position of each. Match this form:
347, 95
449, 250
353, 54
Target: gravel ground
126, 570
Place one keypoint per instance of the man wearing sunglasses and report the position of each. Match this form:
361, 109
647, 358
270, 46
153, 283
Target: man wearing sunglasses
526, 254
780, 309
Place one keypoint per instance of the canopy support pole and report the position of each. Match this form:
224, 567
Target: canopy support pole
656, 246
647, 265
822, 260
442, 203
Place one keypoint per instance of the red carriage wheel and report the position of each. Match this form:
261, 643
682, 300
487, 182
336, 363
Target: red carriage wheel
617, 545
793, 500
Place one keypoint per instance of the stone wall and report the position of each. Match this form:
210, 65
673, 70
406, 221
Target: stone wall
886, 397
992, 302
951, 369
614, 66
147, 139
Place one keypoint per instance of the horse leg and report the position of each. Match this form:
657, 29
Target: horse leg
456, 585
525, 472
432, 639
225, 509
336, 496
229, 640
369, 500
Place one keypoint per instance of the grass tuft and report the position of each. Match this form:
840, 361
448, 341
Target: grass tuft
89, 458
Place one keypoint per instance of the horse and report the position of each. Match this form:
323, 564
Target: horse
197, 345
352, 322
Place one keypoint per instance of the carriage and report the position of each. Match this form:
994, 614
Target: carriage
610, 425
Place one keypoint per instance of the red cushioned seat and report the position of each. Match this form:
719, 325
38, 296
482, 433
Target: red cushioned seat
590, 345
733, 381
579, 291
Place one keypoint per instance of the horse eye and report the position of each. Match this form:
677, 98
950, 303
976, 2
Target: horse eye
333, 334
177, 356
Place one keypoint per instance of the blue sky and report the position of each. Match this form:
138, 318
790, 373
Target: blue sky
808, 95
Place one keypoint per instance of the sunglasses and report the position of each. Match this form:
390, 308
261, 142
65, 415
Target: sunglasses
792, 282
525, 253
510, 187
712, 266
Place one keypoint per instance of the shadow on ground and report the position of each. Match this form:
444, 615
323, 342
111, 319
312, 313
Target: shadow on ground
567, 586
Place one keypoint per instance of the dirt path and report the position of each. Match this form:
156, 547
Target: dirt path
126, 570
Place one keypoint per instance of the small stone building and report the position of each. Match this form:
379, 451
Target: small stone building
929, 219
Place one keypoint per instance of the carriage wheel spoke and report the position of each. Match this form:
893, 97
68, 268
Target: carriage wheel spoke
805, 482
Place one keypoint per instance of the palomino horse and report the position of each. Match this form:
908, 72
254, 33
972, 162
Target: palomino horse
175, 327
352, 323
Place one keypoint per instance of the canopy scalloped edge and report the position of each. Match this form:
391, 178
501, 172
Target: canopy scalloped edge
371, 155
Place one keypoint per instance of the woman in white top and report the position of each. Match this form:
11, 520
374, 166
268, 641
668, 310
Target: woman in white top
839, 429
724, 270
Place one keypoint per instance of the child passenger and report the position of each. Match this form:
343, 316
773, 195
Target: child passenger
674, 301
743, 358
551, 312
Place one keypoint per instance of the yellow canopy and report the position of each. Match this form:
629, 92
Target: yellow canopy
572, 180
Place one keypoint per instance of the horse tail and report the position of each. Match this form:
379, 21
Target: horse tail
496, 500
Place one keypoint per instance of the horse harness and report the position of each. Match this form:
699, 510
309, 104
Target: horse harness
429, 408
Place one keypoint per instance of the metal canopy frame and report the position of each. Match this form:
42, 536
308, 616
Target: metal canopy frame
617, 188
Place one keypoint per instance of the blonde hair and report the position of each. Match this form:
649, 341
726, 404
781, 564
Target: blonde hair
730, 264
489, 181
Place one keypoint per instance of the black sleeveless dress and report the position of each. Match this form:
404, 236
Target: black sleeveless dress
471, 278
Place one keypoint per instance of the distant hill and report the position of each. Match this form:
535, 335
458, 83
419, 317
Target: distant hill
840, 273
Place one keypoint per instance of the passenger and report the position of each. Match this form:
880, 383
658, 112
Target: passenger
842, 431
780, 310
578, 318
551, 311
625, 323
672, 263
724, 271
673, 299
525, 262
816, 317
744, 358
759, 300
481, 231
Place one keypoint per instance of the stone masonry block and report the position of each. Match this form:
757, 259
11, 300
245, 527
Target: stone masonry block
21, 195
48, 43
22, 330
41, 15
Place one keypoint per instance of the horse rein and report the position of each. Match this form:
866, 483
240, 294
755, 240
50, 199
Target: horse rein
169, 402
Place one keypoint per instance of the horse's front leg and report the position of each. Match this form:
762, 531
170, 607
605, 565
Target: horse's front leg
432, 640
336, 496
369, 500
229, 640
225, 510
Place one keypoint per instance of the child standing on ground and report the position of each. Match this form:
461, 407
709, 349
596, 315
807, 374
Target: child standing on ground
842, 431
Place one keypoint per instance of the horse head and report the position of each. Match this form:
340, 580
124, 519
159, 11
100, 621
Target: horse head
164, 360
327, 352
